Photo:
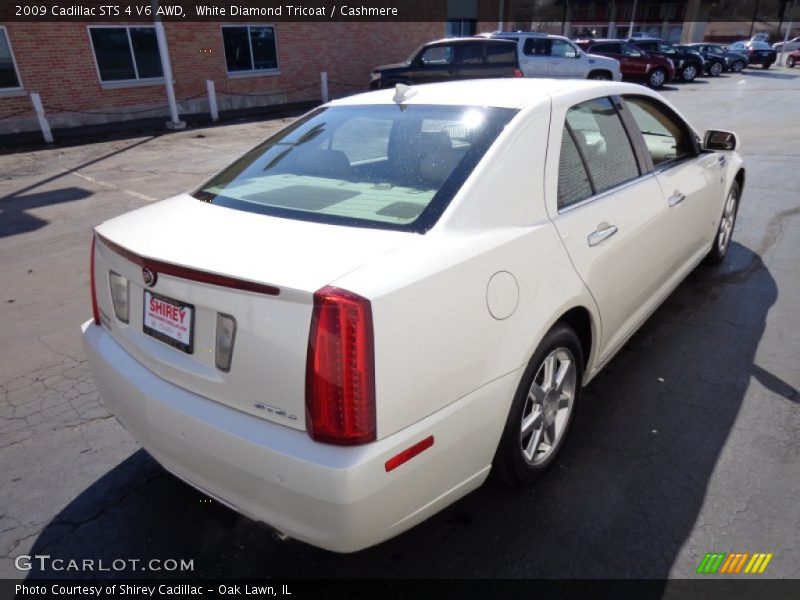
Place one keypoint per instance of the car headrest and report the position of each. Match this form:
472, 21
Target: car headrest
323, 163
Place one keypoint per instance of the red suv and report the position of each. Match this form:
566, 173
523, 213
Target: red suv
634, 63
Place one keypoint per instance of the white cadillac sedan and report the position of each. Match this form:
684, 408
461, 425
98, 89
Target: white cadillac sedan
350, 326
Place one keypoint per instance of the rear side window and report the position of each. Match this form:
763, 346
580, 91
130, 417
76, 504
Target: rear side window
501, 54
603, 142
573, 181
666, 135
468, 54
536, 47
383, 165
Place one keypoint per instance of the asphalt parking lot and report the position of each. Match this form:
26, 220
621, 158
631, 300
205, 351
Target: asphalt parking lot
687, 443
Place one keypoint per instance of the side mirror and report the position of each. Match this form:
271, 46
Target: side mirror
720, 140
578, 53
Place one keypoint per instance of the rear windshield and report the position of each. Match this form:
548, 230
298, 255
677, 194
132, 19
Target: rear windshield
385, 166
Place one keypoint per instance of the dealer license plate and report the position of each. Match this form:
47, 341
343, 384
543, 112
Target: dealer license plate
168, 320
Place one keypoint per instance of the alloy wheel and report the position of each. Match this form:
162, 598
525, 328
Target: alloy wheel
657, 78
726, 225
716, 69
689, 73
548, 406
737, 66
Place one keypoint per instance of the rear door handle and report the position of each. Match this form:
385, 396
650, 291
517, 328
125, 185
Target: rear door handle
676, 198
603, 232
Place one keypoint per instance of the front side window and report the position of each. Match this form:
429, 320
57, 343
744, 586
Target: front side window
9, 78
126, 53
560, 48
437, 55
385, 166
603, 142
631, 50
666, 136
250, 48
666, 48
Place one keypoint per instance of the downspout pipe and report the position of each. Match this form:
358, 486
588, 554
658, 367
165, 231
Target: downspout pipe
166, 66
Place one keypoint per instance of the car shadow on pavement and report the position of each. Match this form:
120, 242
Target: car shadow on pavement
15, 218
621, 501
769, 74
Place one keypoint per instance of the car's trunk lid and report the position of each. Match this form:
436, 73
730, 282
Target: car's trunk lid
260, 270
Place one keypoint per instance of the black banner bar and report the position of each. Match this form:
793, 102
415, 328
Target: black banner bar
515, 13
482, 589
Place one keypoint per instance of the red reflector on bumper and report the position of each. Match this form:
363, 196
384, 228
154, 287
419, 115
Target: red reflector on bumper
409, 453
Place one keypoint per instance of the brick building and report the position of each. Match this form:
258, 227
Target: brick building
97, 73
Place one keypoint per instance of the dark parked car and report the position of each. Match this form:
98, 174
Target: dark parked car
733, 61
453, 58
793, 59
714, 65
634, 63
687, 64
758, 53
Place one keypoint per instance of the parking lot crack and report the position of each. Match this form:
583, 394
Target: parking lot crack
74, 525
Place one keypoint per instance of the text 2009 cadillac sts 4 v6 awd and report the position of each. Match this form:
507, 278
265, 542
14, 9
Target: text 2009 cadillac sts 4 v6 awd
346, 329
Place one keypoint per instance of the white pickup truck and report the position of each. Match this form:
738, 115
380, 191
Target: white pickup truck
543, 55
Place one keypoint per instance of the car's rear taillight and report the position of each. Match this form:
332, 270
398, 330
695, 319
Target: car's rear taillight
95, 310
340, 369
518, 73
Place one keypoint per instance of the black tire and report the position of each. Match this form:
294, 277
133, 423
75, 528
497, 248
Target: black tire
510, 464
657, 78
766, 65
719, 250
600, 75
715, 69
790, 62
737, 66
689, 72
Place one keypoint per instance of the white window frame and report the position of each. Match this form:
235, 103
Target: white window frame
119, 83
20, 89
253, 72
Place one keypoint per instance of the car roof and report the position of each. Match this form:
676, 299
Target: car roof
517, 34
464, 40
517, 93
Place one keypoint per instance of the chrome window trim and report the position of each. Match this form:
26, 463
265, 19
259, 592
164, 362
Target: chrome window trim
605, 193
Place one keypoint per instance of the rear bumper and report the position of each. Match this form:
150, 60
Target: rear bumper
338, 498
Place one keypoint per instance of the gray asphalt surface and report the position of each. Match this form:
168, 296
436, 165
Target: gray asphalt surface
686, 444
